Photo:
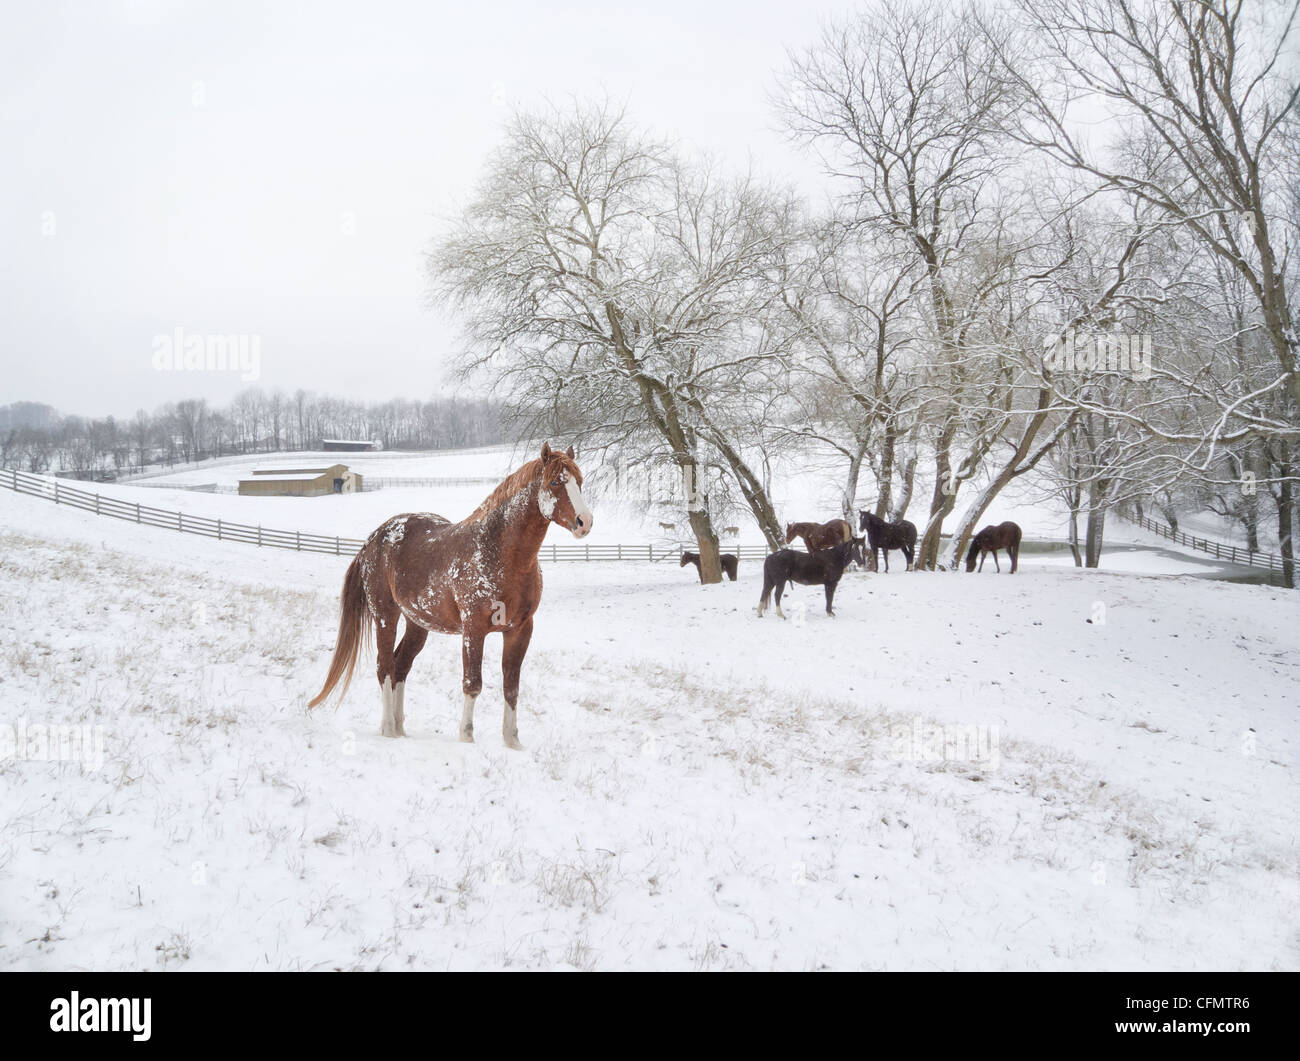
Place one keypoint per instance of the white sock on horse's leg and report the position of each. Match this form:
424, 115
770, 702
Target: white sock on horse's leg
399, 708
387, 727
467, 719
510, 729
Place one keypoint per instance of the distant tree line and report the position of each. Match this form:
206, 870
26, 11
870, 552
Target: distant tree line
36, 438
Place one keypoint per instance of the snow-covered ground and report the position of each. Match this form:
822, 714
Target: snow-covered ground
1057, 770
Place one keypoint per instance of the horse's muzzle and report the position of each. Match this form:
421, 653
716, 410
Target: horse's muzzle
581, 525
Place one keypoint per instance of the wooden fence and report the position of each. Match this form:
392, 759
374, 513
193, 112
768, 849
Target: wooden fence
52, 489
1219, 550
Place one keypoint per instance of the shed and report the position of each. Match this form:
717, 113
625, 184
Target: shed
301, 482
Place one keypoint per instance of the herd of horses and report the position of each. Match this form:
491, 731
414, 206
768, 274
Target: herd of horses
482, 576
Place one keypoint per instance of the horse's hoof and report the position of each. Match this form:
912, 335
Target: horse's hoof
513, 744
466, 738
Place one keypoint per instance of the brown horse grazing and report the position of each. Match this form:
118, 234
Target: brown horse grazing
728, 560
818, 536
468, 578
990, 540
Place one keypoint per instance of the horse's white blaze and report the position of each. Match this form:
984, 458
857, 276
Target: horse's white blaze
580, 509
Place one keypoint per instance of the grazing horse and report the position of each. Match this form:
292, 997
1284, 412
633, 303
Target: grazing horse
469, 578
885, 536
668, 528
990, 540
824, 568
727, 559
818, 536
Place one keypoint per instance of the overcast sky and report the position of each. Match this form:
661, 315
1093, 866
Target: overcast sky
199, 165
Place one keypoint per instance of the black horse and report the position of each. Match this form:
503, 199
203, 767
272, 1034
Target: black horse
728, 561
822, 568
886, 536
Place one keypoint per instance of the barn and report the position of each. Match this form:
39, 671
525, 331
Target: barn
348, 445
301, 482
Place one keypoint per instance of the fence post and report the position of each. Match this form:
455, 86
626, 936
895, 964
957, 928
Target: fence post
218, 528
259, 535
56, 491
96, 504
137, 511
336, 545
297, 538
180, 522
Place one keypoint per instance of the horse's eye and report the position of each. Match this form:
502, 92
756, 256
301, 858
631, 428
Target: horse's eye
555, 482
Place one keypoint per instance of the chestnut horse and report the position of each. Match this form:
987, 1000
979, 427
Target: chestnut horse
469, 578
727, 560
818, 536
990, 540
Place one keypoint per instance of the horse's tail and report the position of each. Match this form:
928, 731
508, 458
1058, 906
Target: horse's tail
974, 550
354, 631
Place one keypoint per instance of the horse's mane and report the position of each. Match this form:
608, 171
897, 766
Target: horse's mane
516, 481
507, 488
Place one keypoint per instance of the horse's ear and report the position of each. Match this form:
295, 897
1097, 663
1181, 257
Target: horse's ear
546, 451
572, 455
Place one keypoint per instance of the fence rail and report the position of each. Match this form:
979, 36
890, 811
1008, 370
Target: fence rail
51, 489
1219, 550
381, 482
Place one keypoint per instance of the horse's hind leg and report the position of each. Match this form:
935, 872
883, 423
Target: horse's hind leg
996, 566
412, 641
780, 588
513, 649
386, 618
1015, 556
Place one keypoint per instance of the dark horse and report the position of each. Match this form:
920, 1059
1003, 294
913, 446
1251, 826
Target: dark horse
823, 568
728, 561
468, 578
818, 536
885, 536
990, 540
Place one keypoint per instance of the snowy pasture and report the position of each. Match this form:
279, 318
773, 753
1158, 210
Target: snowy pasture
1057, 770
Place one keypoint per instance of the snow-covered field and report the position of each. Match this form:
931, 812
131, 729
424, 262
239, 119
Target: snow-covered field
1057, 770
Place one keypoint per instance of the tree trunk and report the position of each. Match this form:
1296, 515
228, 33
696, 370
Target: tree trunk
905, 491
1096, 529
1074, 531
885, 492
1285, 514
942, 499
851, 488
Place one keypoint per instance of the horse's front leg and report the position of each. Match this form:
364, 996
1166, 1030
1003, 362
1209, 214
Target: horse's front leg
513, 650
471, 651
996, 566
